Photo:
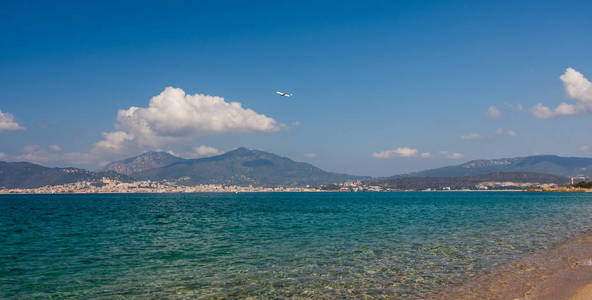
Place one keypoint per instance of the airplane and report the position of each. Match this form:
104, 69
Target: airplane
284, 94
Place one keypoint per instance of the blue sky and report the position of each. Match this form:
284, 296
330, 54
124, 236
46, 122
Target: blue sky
376, 84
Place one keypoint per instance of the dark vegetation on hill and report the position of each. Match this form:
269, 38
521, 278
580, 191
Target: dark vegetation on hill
238, 167
467, 182
253, 167
143, 162
28, 175
245, 167
545, 164
583, 185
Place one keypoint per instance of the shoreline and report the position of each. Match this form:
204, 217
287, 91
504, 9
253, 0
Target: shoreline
562, 272
254, 192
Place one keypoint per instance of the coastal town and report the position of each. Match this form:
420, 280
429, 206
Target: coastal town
107, 185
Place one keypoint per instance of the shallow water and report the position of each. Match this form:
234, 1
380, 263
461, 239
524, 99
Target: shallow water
273, 245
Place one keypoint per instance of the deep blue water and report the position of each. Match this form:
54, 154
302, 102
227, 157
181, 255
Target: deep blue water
272, 245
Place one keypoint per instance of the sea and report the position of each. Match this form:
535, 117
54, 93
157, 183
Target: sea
406, 245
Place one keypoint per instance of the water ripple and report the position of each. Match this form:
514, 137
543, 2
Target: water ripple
342, 245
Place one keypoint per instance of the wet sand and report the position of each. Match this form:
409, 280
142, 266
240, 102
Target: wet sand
583, 293
564, 272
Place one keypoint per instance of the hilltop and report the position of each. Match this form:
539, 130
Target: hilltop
245, 167
29, 175
238, 167
142, 162
514, 179
544, 164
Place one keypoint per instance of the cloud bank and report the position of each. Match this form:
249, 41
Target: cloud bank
406, 152
576, 87
426, 155
174, 116
171, 118
451, 155
198, 152
499, 132
399, 152
7, 122
585, 149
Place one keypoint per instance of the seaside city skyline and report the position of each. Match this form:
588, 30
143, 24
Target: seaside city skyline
379, 89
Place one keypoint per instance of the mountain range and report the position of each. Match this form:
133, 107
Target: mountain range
545, 164
466, 182
28, 175
237, 167
143, 162
244, 166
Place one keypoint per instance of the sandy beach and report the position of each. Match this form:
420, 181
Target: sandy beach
564, 272
582, 293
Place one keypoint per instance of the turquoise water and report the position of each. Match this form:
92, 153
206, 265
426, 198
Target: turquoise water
271, 245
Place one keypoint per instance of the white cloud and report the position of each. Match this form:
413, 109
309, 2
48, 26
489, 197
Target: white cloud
114, 142
410, 152
493, 112
7, 122
36, 154
451, 155
499, 132
426, 155
472, 136
205, 151
565, 109
55, 148
50, 157
509, 132
399, 152
585, 148
576, 87
174, 116
310, 155
290, 126
198, 152
540, 111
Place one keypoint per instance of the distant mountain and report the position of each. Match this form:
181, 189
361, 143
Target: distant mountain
244, 167
28, 175
547, 164
467, 182
253, 167
143, 162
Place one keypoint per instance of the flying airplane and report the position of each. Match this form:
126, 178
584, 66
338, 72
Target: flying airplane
284, 94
